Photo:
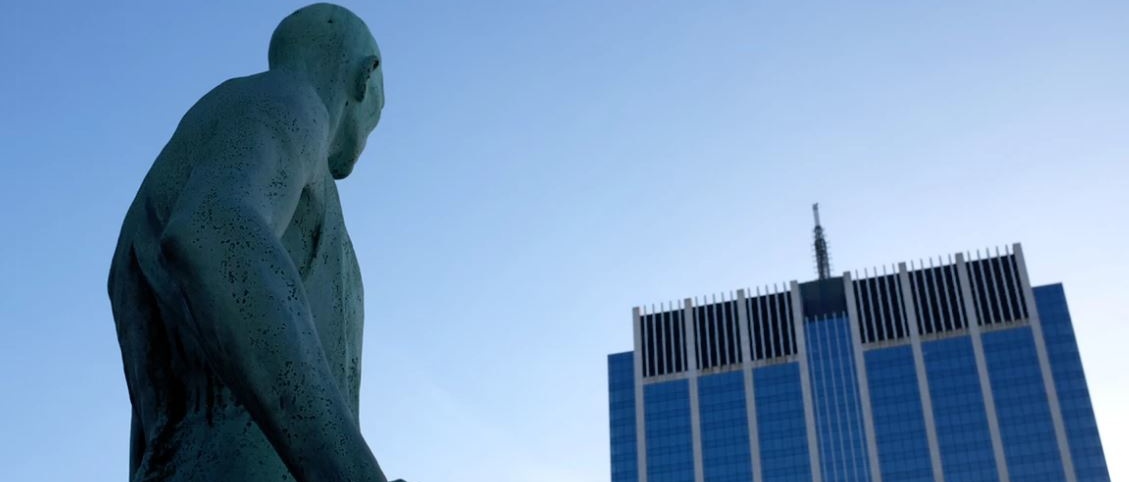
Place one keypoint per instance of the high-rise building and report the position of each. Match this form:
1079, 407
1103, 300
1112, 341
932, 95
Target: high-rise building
947, 370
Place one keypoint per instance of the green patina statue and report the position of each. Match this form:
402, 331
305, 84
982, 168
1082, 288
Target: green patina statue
235, 290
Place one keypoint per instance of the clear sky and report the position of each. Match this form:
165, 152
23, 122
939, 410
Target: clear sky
544, 166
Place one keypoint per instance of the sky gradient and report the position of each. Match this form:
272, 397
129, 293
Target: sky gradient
542, 167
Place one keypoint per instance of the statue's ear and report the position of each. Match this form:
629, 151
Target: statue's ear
364, 73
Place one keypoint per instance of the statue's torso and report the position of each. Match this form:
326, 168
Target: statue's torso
321, 249
195, 430
216, 439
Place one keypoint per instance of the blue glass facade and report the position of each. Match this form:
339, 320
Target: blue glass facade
781, 428
670, 449
621, 411
838, 411
1070, 384
899, 423
808, 390
725, 428
1026, 429
958, 410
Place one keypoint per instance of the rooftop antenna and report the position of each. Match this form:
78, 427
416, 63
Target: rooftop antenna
822, 257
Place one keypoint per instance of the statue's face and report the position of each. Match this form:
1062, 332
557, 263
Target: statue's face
359, 118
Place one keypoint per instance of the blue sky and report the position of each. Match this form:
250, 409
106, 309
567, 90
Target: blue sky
542, 167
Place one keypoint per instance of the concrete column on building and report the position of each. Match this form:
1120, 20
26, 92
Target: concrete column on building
982, 367
640, 418
692, 374
922, 379
861, 377
805, 382
750, 393
1044, 364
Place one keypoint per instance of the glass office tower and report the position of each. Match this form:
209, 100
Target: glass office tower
954, 370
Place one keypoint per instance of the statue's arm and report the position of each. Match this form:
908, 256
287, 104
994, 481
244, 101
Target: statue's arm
136, 444
248, 308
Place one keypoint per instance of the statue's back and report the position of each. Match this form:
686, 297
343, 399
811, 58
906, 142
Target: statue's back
187, 424
235, 289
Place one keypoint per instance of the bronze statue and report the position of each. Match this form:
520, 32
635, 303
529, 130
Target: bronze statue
235, 290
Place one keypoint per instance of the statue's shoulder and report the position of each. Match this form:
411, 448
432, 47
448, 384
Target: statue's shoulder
261, 107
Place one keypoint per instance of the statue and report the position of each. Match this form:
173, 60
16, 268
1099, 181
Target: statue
235, 289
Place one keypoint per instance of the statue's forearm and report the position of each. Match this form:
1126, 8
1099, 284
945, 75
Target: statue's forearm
250, 315
136, 444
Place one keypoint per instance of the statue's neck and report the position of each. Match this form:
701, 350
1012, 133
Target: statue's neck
332, 95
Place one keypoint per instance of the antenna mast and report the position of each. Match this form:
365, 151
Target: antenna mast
822, 257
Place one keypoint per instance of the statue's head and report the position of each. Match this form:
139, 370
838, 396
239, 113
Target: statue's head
335, 49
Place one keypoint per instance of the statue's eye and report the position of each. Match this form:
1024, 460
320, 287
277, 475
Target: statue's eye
375, 64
